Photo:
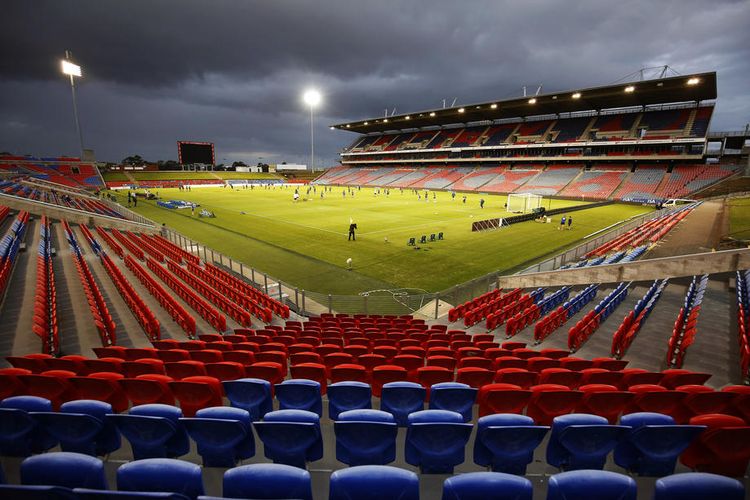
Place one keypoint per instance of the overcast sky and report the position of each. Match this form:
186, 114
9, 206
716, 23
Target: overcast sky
232, 72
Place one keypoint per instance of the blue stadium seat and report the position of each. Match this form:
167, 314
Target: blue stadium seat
161, 474
267, 481
587, 484
487, 486
300, 394
698, 486
345, 396
86, 494
81, 426
454, 396
582, 441
654, 443
373, 482
506, 442
291, 437
154, 431
66, 469
435, 440
18, 492
223, 434
365, 437
402, 398
251, 394
20, 434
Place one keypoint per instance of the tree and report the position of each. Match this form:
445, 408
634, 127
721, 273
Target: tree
239, 164
133, 160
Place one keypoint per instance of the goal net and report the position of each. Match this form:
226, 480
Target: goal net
523, 202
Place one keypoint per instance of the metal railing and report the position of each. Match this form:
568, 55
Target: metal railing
397, 301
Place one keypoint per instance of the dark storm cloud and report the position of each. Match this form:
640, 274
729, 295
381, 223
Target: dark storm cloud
233, 71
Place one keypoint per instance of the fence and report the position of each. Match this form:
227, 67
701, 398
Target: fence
397, 302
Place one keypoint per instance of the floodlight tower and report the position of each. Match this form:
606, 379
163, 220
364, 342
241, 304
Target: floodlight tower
73, 70
312, 99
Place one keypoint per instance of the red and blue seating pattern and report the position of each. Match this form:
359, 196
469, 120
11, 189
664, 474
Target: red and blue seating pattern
45, 297
660, 122
684, 331
510, 180
99, 310
633, 321
743, 320
587, 325
558, 317
686, 179
9, 246
570, 130
594, 184
47, 195
66, 171
552, 180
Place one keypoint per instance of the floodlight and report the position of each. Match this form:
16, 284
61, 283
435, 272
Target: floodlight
331, 128
385, 120
461, 110
532, 100
70, 69
630, 88
311, 97
493, 106
365, 123
407, 117
432, 113
577, 95
693, 81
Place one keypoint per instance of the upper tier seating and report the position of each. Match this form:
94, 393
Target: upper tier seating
532, 131
569, 129
468, 137
615, 125
66, 171
665, 121
701, 121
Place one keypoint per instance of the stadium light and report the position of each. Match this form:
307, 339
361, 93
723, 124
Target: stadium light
532, 100
493, 106
629, 89
312, 98
577, 95
461, 110
347, 125
407, 117
432, 113
385, 120
365, 123
693, 81
73, 70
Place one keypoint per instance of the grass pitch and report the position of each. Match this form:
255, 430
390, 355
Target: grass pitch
304, 243
739, 218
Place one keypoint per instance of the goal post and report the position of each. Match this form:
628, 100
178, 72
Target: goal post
523, 202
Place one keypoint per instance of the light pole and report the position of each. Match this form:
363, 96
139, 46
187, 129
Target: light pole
312, 98
73, 70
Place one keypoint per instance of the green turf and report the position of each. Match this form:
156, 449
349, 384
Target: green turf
739, 218
167, 176
305, 243
115, 176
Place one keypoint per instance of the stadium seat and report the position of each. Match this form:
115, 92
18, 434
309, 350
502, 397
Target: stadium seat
697, 486
373, 482
740, 405
300, 394
291, 437
66, 469
551, 400
349, 372
53, 385
402, 398
148, 389
183, 369
435, 440
721, 448
81, 426
267, 481
580, 484
311, 371
161, 475
474, 377
132, 369
384, 374
20, 434
502, 398
654, 399
487, 486
154, 431
195, 393
701, 400
250, 394
225, 370
581, 441
652, 445
603, 400
516, 376
452, 396
506, 442
223, 434
675, 377
18, 492
102, 386
345, 396
365, 437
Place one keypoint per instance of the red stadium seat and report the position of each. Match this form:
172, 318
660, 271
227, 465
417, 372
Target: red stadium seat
604, 400
349, 372
538, 363
305, 357
54, 385
654, 398
609, 363
173, 355
502, 398
71, 363
311, 371
560, 376
551, 400
477, 362
35, 363
183, 369
474, 377
266, 370
601, 376
575, 364
639, 376
102, 386
722, 448
427, 376
701, 400
195, 393
384, 374
676, 377
132, 369
516, 376
510, 362
226, 370
112, 365
207, 355
9, 383
740, 405
243, 357
148, 389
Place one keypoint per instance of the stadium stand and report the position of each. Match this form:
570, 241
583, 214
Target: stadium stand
510, 180
69, 172
553, 179
598, 184
641, 185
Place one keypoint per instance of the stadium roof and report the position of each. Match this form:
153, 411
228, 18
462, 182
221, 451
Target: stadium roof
683, 88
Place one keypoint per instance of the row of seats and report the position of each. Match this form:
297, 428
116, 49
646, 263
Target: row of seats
560, 316
645, 443
633, 321
146, 246
175, 252
586, 326
69, 172
45, 297
9, 247
743, 320
167, 301
110, 241
278, 308
105, 325
71, 476
685, 329
132, 247
34, 191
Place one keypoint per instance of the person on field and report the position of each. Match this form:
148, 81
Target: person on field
481, 203
352, 228
562, 223
570, 222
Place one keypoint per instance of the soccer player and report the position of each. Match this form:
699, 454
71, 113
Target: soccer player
570, 222
562, 223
